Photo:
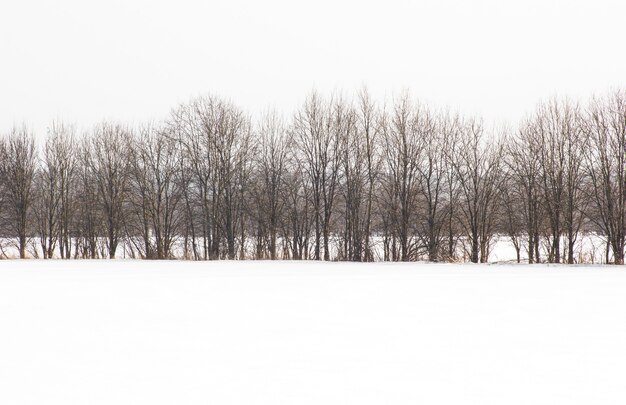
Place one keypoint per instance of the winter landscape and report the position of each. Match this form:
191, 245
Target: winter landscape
312, 202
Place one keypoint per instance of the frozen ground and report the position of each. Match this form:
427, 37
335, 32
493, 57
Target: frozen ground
137, 332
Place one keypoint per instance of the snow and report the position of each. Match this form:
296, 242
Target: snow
590, 248
141, 332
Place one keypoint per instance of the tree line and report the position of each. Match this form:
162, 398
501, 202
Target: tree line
340, 179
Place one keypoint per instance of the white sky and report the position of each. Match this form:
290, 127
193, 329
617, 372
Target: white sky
133, 60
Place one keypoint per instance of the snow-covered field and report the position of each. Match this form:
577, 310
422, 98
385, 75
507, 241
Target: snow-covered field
139, 332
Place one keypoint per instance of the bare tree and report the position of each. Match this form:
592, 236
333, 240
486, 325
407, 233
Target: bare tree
156, 190
269, 201
360, 167
109, 164
47, 201
513, 210
404, 134
431, 169
197, 163
558, 131
477, 164
451, 128
369, 137
55, 191
524, 175
64, 156
317, 129
351, 189
299, 218
605, 125
232, 144
216, 138
18, 162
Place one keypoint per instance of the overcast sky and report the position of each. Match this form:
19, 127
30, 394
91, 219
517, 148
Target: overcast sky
133, 60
